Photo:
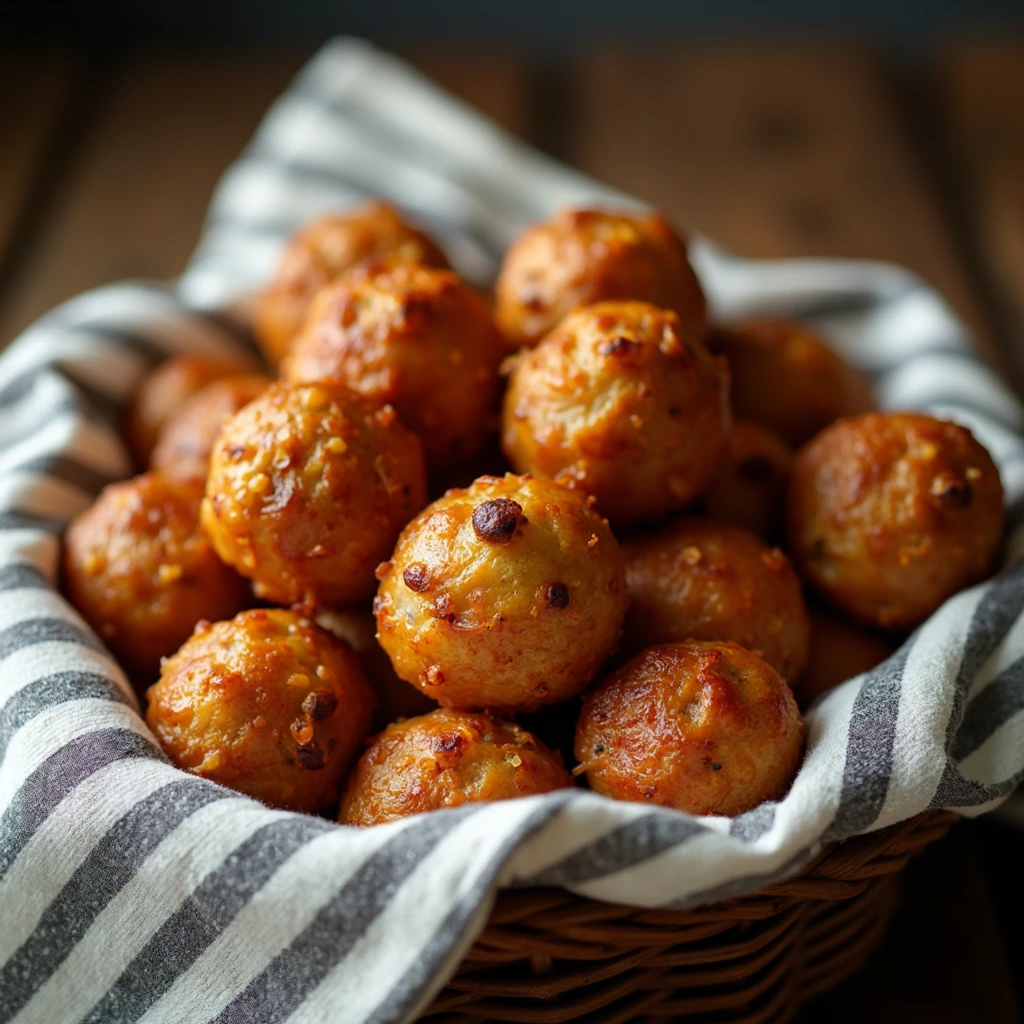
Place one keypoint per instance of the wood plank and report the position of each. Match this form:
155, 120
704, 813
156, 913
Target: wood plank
787, 150
132, 203
497, 84
38, 86
982, 86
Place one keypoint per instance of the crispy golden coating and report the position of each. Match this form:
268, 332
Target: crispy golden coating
267, 704
307, 491
319, 252
749, 489
508, 595
584, 256
415, 337
840, 649
702, 580
141, 571
890, 514
622, 403
708, 728
395, 697
163, 392
186, 441
787, 379
446, 759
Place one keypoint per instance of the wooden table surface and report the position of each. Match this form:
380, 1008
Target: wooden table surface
782, 150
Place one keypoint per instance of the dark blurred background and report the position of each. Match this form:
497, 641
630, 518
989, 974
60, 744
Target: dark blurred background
552, 26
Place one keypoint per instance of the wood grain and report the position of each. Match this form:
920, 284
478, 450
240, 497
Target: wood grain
36, 87
982, 88
131, 204
772, 151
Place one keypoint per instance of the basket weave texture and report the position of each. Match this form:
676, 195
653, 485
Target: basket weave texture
548, 956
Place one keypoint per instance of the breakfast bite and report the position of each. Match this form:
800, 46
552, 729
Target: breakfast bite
446, 759
749, 489
141, 571
890, 514
187, 438
584, 256
507, 595
412, 336
704, 727
308, 489
702, 580
162, 393
621, 402
267, 704
321, 251
787, 379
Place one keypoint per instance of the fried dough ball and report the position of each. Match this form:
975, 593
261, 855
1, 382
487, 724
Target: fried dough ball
319, 252
163, 392
413, 336
749, 489
141, 571
584, 256
446, 759
307, 491
787, 379
509, 594
395, 697
707, 728
622, 403
183, 449
702, 580
890, 514
267, 704
840, 649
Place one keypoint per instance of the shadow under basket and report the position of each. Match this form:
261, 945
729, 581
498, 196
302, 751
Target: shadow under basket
548, 956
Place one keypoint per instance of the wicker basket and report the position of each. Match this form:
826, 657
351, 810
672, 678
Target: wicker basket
548, 956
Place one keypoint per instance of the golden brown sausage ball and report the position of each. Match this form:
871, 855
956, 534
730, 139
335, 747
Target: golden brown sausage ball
702, 580
787, 379
163, 392
446, 759
141, 571
509, 595
749, 489
319, 252
840, 649
413, 336
622, 403
183, 449
395, 697
267, 704
584, 256
707, 728
307, 491
890, 514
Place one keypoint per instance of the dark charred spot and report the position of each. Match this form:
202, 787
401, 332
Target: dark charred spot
716, 767
598, 748
556, 595
312, 756
320, 704
496, 520
674, 410
618, 346
951, 491
450, 743
416, 577
757, 469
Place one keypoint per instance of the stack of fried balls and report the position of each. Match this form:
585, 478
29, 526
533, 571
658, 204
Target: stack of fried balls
469, 548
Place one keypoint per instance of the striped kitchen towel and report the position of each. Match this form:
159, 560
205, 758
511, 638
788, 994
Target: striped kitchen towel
131, 891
